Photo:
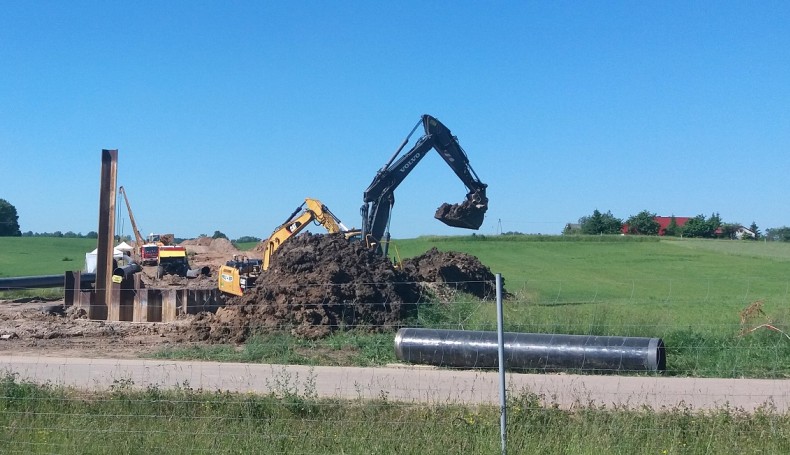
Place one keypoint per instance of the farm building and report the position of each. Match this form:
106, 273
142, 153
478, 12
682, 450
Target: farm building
663, 223
743, 232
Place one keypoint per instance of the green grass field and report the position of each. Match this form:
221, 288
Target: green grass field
689, 292
30, 256
646, 284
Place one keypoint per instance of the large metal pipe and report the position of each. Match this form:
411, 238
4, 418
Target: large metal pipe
127, 271
530, 351
40, 281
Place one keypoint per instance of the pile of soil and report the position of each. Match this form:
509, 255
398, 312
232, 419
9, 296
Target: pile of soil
315, 285
205, 245
453, 272
319, 283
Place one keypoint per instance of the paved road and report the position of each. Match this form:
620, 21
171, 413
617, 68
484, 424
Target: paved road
410, 384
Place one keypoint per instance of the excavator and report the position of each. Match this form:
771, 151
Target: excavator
241, 272
379, 197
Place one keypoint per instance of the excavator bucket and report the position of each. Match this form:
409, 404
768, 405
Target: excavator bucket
468, 214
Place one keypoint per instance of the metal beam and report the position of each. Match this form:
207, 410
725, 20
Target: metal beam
109, 172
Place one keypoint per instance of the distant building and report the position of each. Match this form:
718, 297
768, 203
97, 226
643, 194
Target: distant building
744, 232
663, 223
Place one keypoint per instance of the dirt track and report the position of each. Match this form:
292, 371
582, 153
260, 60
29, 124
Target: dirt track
414, 384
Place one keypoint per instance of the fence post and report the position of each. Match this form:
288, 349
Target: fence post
501, 343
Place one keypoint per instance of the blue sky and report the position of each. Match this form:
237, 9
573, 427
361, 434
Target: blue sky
227, 115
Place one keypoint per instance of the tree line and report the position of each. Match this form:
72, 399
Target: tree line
598, 223
9, 227
644, 223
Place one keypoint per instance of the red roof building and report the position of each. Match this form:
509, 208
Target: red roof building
663, 223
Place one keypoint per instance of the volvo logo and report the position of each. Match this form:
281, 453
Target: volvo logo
408, 164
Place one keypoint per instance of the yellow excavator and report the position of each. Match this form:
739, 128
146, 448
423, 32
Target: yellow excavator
241, 272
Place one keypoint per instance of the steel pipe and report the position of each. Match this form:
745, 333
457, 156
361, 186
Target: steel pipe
530, 351
40, 281
127, 271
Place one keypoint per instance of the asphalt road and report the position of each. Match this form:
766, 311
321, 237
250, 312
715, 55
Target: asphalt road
398, 383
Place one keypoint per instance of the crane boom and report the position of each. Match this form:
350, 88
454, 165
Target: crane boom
138, 239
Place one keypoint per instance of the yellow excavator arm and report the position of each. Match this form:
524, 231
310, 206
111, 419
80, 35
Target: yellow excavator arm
233, 281
314, 211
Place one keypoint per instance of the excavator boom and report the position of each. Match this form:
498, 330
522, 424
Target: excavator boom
379, 197
233, 278
138, 239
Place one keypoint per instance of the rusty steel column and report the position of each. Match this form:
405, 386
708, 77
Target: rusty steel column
109, 173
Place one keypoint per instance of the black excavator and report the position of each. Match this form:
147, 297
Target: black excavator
379, 197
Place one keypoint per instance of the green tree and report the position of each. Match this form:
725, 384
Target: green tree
780, 234
219, 235
714, 222
643, 223
753, 227
600, 223
701, 227
247, 238
696, 227
672, 229
9, 220
728, 230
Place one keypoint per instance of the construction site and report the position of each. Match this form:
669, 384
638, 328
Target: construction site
306, 284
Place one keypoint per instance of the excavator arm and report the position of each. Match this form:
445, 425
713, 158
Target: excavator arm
312, 210
237, 275
379, 197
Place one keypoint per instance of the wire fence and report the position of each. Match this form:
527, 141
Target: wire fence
252, 378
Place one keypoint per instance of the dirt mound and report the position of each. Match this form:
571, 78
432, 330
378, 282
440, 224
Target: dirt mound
222, 246
320, 283
455, 271
200, 241
315, 285
203, 245
261, 246
200, 281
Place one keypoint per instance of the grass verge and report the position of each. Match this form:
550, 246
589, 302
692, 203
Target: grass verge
291, 419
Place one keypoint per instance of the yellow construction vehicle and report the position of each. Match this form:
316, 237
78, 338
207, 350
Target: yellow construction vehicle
241, 273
